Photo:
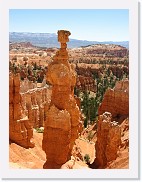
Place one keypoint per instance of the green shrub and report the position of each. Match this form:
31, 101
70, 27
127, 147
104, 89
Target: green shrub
39, 130
87, 158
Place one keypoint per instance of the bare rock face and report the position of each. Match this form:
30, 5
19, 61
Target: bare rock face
36, 103
28, 106
56, 138
86, 83
108, 140
20, 130
86, 72
69, 164
116, 101
63, 117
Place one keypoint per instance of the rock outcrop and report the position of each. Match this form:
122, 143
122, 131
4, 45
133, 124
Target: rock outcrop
63, 117
28, 106
93, 53
36, 102
87, 74
108, 140
35, 99
20, 129
86, 83
108, 50
116, 101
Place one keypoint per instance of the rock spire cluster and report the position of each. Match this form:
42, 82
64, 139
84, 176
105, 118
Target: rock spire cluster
20, 128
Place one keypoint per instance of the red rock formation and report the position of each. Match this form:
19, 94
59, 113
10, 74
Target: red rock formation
69, 164
86, 83
116, 101
102, 53
108, 140
63, 117
20, 130
36, 103
125, 133
108, 50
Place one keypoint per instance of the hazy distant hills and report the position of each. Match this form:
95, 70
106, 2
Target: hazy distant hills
50, 40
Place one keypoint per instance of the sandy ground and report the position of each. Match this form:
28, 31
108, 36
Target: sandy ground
34, 158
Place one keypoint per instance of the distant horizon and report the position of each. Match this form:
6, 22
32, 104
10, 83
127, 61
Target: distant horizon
84, 24
72, 38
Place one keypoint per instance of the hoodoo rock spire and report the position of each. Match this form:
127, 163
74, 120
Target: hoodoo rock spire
63, 117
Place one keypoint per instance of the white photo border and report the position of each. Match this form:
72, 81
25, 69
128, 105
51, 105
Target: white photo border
133, 171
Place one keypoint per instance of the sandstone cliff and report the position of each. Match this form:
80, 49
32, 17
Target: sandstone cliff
116, 101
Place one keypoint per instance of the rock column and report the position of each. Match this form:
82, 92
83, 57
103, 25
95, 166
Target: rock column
63, 117
20, 130
108, 140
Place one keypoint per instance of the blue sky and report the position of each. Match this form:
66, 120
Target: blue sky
84, 24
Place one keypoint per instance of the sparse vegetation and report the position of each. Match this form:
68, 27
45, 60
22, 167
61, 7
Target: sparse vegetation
102, 75
39, 130
87, 158
104, 80
90, 135
108, 67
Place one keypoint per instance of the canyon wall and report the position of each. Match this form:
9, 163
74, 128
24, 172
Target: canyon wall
116, 101
114, 51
